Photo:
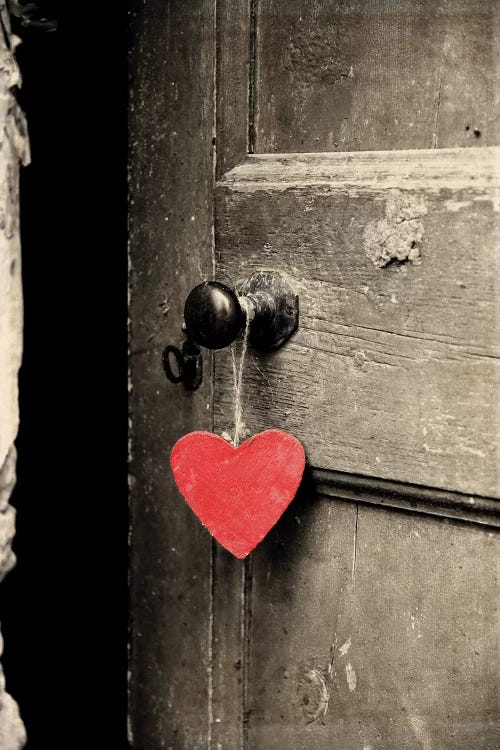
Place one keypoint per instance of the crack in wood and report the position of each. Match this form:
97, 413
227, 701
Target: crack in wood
247, 644
253, 77
355, 547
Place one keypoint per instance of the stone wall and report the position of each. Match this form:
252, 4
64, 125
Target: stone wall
14, 150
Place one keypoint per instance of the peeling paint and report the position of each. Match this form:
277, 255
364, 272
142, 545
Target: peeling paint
345, 647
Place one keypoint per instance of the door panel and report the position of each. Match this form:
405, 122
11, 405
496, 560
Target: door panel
393, 371
369, 629
384, 74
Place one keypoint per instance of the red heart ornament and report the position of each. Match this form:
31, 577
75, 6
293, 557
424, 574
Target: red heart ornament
239, 493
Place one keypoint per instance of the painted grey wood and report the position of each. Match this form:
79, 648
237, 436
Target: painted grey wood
393, 372
171, 127
234, 42
373, 629
377, 74
229, 651
410, 497
229, 677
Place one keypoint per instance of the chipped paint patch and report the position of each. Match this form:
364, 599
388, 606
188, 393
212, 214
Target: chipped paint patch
352, 680
396, 237
345, 647
415, 625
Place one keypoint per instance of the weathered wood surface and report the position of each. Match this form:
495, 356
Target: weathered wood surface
409, 169
410, 497
393, 371
234, 42
229, 677
373, 629
315, 640
172, 123
229, 651
377, 74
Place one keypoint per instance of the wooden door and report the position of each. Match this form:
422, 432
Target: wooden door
351, 146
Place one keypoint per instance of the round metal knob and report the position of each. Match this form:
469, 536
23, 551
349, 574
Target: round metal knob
213, 315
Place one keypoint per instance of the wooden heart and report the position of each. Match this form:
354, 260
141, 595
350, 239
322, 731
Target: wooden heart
238, 493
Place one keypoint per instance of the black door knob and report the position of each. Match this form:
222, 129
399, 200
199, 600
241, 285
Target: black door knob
214, 314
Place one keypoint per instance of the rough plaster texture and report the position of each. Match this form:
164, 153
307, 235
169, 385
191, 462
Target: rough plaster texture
398, 235
13, 150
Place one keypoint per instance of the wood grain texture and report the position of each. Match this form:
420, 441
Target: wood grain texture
409, 169
234, 94
229, 657
376, 74
373, 628
393, 371
172, 123
299, 586
234, 43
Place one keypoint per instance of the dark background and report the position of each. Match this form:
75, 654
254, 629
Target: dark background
64, 607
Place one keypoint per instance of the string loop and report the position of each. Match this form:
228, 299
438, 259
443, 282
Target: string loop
238, 370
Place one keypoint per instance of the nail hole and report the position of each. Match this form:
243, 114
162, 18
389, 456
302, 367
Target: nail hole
467, 127
477, 133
